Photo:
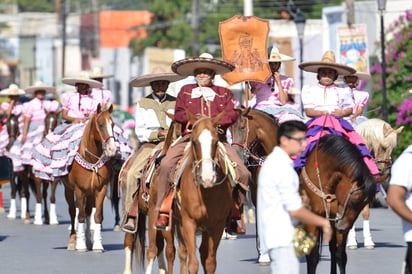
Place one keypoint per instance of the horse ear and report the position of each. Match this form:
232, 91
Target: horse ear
399, 130
170, 115
191, 117
99, 108
217, 118
110, 110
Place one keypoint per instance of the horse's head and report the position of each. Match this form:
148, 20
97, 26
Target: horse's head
12, 129
103, 124
239, 131
381, 139
204, 141
51, 121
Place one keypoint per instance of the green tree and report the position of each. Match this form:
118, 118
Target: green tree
399, 78
36, 5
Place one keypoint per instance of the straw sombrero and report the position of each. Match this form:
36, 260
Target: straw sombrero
82, 79
328, 61
363, 76
97, 72
157, 74
40, 86
187, 66
12, 90
276, 56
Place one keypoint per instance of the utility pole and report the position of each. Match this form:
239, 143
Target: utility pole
96, 38
350, 15
195, 28
63, 20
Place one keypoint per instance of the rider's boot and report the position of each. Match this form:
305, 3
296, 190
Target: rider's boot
367, 236
351, 241
130, 224
163, 218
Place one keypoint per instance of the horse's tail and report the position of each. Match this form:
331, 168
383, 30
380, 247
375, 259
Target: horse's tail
139, 242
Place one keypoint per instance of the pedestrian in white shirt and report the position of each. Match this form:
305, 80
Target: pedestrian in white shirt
278, 200
400, 199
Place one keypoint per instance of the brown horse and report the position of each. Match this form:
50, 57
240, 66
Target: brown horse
147, 198
254, 137
338, 184
96, 147
203, 200
51, 121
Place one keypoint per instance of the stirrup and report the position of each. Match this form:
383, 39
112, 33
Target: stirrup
163, 227
128, 229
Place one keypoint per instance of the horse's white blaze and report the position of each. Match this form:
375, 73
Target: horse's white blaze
207, 173
110, 145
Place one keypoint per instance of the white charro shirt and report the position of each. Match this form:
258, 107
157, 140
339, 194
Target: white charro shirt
328, 98
277, 195
151, 117
401, 174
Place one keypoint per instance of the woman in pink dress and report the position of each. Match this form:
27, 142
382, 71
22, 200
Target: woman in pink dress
360, 98
272, 96
55, 154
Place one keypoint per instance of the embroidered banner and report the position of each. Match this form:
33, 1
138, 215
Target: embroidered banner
244, 44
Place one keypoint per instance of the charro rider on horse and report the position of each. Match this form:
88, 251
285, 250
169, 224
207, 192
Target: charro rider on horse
152, 125
202, 99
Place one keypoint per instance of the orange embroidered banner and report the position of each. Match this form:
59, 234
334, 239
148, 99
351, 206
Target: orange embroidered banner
244, 44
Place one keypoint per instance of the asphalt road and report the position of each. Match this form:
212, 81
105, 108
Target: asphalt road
28, 248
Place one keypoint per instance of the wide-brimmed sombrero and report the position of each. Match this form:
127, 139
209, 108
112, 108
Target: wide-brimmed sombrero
40, 86
97, 72
82, 79
363, 76
276, 56
187, 66
328, 61
12, 90
157, 74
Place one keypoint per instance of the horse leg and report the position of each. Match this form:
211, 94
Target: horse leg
53, 215
98, 218
340, 252
189, 232
152, 248
367, 236
46, 210
69, 195
38, 214
115, 199
182, 251
25, 193
312, 259
160, 252
208, 249
80, 232
13, 191
170, 249
128, 245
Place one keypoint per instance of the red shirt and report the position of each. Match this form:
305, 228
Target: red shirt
223, 101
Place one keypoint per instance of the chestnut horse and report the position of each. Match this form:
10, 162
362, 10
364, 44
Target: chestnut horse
203, 200
89, 185
147, 198
51, 121
254, 137
339, 185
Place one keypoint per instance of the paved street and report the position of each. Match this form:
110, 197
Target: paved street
42, 249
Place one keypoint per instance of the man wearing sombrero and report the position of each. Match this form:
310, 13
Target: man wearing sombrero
152, 125
34, 114
204, 99
327, 104
273, 95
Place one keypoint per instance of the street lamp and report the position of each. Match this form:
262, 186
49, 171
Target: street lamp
381, 8
300, 22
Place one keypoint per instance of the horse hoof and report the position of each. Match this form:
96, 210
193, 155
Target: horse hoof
98, 250
2, 210
11, 216
81, 250
264, 259
54, 222
352, 247
116, 228
370, 247
26, 221
71, 247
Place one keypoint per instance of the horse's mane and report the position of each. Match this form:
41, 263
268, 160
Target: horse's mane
376, 132
86, 132
347, 155
265, 114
